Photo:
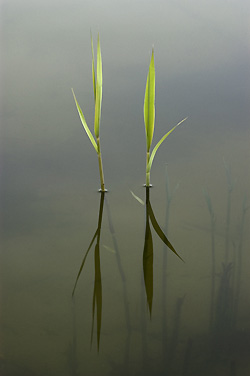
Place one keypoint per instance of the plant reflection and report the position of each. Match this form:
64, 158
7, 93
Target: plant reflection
97, 294
148, 252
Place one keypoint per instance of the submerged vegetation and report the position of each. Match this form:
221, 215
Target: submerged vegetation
149, 118
225, 293
97, 87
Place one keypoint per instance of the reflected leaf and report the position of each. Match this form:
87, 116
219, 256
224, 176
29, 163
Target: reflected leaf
97, 293
159, 231
148, 258
83, 261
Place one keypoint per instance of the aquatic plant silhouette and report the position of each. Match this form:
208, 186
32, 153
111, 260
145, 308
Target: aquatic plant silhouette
175, 332
97, 87
148, 251
225, 298
97, 293
223, 310
212, 224
239, 262
149, 118
230, 185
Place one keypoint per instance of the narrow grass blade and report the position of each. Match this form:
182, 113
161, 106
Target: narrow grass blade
84, 123
98, 97
159, 143
93, 67
111, 250
83, 262
149, 103
137, 198
159, 231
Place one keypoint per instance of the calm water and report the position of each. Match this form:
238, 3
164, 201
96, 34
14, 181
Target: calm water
50, 206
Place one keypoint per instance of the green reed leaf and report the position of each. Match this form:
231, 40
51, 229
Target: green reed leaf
158, 145
93, 67
84, 123
149, 103
137, 198
159, 231
98, 92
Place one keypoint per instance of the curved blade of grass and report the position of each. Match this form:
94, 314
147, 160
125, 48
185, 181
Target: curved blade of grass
158, 145
98, 92
149, 103
137, 198
159, 231
83, 261
84, 123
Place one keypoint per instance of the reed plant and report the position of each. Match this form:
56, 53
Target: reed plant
213, 222
239, 261
149, 118
230, 186
97, 87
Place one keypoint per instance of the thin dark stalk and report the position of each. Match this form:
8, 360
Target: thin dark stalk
143, 323
100, 166
148, 257
212, 299
228, 212
227, 225
175, 334
187, 358
239, 263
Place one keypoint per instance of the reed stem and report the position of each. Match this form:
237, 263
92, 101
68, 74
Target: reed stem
100, 165
147, 172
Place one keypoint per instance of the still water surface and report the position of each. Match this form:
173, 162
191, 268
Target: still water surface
51, 210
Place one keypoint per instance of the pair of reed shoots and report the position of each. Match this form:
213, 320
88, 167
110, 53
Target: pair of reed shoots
149, 113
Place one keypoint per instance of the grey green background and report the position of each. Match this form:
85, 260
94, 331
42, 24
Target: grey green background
50, 177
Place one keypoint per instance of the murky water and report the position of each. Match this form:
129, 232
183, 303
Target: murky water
51, 210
